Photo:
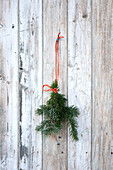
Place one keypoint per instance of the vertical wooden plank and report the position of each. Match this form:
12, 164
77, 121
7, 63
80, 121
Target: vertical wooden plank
79, 80
30, 19
54, 20
102, 135
8, 85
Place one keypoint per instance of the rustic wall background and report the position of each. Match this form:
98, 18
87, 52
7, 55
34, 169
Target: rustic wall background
28, 30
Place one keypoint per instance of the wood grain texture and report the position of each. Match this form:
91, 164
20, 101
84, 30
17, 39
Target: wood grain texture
8, 85
54, 21
79, 81
86, 78
30, 35
102, 127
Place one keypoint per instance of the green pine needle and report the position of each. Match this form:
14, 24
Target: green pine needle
56, 112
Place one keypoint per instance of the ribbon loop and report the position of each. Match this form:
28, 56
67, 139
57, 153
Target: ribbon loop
56, 65
50, 89
57, 57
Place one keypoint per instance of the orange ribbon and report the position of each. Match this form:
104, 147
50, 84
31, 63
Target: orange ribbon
51, 89
56, 65
57, 57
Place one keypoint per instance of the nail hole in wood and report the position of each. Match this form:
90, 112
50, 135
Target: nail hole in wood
62, 152
13, 26
59, 137
111, 153
86, 152
85, 16
58, 143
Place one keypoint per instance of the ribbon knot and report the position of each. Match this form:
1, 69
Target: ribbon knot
58, 37
51, 89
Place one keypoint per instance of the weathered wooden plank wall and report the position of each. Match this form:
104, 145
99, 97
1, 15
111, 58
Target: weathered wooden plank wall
30, 80
54, 20
28, 31
8, 85
79, 80
102, 83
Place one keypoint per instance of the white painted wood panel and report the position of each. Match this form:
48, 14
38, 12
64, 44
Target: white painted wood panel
102, 131
79, 81
86, 78
8, 85
54, 21
30, 42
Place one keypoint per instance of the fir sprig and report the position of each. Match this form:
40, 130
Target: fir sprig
56, 112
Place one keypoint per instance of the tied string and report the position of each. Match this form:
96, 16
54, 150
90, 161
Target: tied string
56, 65
50, 89
57, 57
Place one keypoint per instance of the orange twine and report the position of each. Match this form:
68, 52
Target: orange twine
56, 65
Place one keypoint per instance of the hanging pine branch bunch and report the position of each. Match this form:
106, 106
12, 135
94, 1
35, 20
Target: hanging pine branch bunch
56, 112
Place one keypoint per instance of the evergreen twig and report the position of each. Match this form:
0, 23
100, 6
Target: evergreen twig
56, 112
